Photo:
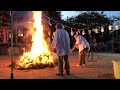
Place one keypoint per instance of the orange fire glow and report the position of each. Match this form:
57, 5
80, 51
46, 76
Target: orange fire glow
39, 52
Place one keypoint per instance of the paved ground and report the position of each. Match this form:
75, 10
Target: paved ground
100, 68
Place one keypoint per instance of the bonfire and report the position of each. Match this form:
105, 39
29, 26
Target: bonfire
39, 56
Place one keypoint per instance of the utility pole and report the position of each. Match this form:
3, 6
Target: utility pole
16, 31
11, 16
113, 41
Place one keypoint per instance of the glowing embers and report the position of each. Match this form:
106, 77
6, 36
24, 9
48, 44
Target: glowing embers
34, 63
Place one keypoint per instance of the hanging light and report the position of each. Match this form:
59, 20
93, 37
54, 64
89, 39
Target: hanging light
63, 26
29, 22
21, 34
72, 32
102, 29
89, 31
49, 33
79, 31
83, 32
49, 22
54, 33
116, 27
96, 30
110, 27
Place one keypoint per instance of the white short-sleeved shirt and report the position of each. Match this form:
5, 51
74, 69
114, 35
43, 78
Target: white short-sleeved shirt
82, 43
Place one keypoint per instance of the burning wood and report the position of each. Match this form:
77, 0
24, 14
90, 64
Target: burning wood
39, 56
29, 63
36, 65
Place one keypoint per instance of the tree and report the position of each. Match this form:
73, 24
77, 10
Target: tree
91, 19
56, 15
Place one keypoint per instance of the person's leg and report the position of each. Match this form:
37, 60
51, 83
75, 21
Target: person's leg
80, 58
84, 54
60, 65
67, 66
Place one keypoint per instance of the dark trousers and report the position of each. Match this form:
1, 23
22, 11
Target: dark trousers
81, 56
62, 59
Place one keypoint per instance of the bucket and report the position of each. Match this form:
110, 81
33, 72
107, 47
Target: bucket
116, 69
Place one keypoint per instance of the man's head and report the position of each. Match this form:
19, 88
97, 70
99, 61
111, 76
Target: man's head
59, 26
75, 35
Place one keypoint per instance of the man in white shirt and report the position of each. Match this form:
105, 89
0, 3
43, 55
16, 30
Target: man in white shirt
83, 46
61, 45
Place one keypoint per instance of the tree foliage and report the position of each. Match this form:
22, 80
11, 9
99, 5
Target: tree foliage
91, 19
56, 15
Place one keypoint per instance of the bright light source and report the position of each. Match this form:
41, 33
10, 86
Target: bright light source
21, 35
83, 32
110, 27
29, 22
116, 27
89, 31
96, 30
102, 29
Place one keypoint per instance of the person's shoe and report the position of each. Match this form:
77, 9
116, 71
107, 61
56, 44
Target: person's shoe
77, 65
80, 65
83, 65
68, 73
59, 74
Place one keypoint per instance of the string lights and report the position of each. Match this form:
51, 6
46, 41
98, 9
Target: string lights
72, 32
102, 30
110, 27
83, 32
96, 30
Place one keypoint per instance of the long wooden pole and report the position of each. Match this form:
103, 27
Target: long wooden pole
113, 41
11, 75
16, 32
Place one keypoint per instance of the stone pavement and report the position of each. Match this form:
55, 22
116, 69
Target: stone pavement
100, 68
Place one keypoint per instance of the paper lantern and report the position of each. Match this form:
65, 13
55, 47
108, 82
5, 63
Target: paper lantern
77, 32
72, 32
49, 22
54, 33
83, 32
110, 27
63, 26
96, 30
116, 27
102, 29
89, 31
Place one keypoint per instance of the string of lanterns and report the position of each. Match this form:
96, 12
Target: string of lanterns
77, 30
110, 27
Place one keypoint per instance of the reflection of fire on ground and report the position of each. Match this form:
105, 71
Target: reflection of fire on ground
39, 56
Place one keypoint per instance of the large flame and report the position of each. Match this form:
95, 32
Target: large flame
39, 52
